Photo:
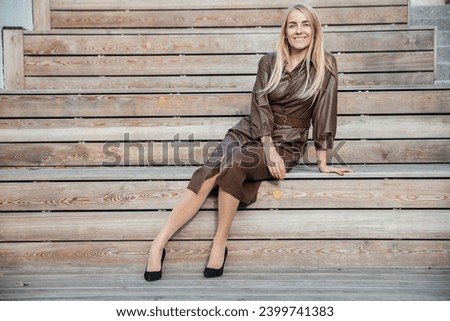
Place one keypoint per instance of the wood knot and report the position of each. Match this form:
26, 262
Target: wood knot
277, 194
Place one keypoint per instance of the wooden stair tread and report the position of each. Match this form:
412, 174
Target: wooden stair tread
316, 285
274, 224
201, 4
185, 172
86, 44
47, 104
105, 257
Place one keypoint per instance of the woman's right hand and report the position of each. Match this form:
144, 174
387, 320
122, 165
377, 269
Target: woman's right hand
274, 162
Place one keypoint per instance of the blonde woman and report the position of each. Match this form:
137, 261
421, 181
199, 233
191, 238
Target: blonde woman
296, 86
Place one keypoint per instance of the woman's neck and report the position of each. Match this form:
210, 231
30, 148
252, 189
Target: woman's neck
295, 58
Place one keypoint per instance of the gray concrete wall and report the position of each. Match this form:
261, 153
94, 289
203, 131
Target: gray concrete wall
437, 14
14, 13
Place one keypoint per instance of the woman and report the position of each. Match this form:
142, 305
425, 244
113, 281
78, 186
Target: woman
294, 87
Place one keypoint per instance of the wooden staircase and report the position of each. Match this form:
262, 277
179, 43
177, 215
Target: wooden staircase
110, 106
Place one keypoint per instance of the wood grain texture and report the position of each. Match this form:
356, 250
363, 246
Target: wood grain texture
41, 15
318, 285
148, 105
13, 60
202, 4
130, 173
214, 128
159, 154
104, 257
330, 193
276, 224
230, 43
211, 65
208, 84
220, 18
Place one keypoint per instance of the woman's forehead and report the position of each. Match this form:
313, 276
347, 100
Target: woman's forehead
296, 16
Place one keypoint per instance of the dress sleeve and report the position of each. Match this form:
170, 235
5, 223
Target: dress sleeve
261, 114
324, 117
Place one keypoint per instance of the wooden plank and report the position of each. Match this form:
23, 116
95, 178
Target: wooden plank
216, 4
331, 193
220, 30
211, 65
410, 78
214, 128
301, 171
148, 105
41, 15
388, 284
207, 84
13, 59
265, 225
104, 257
162, 154
316, 284
237, 43
156, 84
220, 18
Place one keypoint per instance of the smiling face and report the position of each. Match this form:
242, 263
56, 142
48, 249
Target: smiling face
298, 32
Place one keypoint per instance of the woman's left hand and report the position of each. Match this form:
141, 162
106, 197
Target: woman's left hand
330, 169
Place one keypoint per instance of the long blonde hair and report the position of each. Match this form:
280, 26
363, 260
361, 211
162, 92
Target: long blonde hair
315, 54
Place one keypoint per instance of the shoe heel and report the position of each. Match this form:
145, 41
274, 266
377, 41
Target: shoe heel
151, 276
214, 273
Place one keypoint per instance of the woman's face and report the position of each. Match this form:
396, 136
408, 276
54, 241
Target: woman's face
298, 31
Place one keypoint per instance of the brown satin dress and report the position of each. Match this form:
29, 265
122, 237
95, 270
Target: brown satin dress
239, 159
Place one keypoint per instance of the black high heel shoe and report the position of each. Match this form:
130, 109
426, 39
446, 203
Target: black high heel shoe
214, 273
155, 275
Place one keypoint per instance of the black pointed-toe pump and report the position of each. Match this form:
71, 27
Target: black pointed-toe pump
214, 273
155, 275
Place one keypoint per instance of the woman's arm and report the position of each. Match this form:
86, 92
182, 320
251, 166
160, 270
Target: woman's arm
321, 155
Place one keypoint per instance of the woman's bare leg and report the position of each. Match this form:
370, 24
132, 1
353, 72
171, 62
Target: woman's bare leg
228, 205
184, 210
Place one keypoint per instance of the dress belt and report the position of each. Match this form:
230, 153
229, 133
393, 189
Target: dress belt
280, 119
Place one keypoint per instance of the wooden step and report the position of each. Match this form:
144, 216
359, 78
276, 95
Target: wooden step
56, 105
191, 256
195, 153
190, 285
172, 129
209, 4
212, 65
423, 224
146, 195
32, 174
206, 84
202, 18
238, 42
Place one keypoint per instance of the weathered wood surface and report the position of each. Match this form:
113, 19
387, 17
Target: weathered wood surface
220, 18
191, 256
214, 128
97, 154
140, 195
206, 84
217, 30
152, 105
41, 15
34, 174
265, 224
211, 65
214, 4
13, 59
314, 285
236, 43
